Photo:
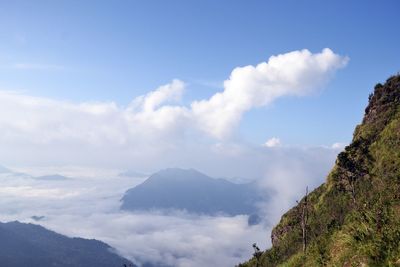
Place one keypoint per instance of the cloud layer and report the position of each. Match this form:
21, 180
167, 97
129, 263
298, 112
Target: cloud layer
87, 205
34, 129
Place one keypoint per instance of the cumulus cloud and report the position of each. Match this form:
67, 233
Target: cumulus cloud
297, 73
34, 128
164, 94
273, 142
43, 120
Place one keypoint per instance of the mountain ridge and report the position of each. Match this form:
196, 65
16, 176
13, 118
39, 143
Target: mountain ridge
24, 244
193, 191
353, 219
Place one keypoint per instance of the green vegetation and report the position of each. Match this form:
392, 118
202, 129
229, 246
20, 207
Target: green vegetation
353, 218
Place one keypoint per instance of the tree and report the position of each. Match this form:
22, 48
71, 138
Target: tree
257, 253
304, 219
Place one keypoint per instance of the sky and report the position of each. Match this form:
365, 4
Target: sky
97, 51
267, 91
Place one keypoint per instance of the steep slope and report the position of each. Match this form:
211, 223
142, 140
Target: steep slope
353, 219
192, 191
24, 245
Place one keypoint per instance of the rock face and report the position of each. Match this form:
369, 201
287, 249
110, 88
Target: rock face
354, 217
24, 245
190, 190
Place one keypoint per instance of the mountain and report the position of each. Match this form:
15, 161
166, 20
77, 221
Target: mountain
8, 172
24, 245
192, 191
4, 170
353, 219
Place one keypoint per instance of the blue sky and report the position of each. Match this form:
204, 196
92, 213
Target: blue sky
114, 51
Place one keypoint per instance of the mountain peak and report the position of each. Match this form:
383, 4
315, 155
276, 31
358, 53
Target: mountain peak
4, 170
192, 191
382, 106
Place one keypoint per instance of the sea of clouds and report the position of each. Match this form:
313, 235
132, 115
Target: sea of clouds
153, 132
87, 205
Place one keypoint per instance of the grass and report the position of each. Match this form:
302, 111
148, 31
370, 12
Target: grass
355, 216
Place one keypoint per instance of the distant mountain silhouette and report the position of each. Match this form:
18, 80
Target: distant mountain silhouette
51, 177
24, 245
4, 170
192, 191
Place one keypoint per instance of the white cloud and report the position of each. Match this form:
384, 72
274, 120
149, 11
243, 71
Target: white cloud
296, 73
29, 192
273, 142
34, 129
179, 239
338, 146
164, 94
288, 171
33, 124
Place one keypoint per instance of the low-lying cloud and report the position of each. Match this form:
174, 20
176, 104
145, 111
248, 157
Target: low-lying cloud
87, 205
89, 208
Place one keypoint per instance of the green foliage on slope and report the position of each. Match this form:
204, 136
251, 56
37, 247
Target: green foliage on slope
354, 217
